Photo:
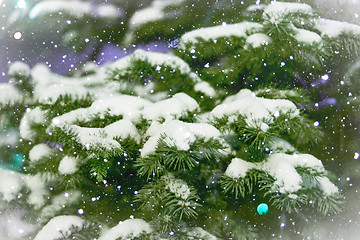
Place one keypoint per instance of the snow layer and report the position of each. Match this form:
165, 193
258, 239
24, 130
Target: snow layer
327, 187
177, 186
152, 13
334, 28
68, 165
38, 191
307, 36
127, 229
281, 166
177, 133
39, 151
9, 94
59, 226
240, 30
161, 59
19, 68
278, 145
98, 139
205, 88
258, 39
238, 168
276, 11
255, 109
50, 86
121, 105
74, 8
10, 184
32, 117
171, 108
94, 139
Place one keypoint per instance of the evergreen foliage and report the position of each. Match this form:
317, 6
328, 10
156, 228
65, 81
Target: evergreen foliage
175, 138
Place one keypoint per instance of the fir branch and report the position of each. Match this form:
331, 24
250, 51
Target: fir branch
99, 169
65, 103
240, 186
299, 130
96, 142
167, 156
296, 95
208, 51
99, 120
181, 208
256, 138
289, 202
330, 204
142, 71
166, 196
149, 166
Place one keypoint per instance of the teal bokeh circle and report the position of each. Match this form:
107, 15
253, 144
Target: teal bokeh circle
263, 208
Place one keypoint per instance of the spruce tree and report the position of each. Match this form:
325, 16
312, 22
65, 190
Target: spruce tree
213, 139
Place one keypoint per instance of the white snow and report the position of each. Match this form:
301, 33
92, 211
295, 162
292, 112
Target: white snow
276, 11
100, 138
282, 169
177, 133
176, 186
74, 8
159, 61
127, 229
39, 151
334, 28
281, 166
307, 36
38, 191
10, 184
171, 108
258, 39
19, 68
204, 130
238, 168
121, 105
122, 129
9, 138
14, 224
162, 59
9, 94
205, 88
59, 226
256, 7
327, 187
68, 165
255, 109
95, 139
50, 86
32, 116
152, 13
304, 160
280, 145
240, 30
